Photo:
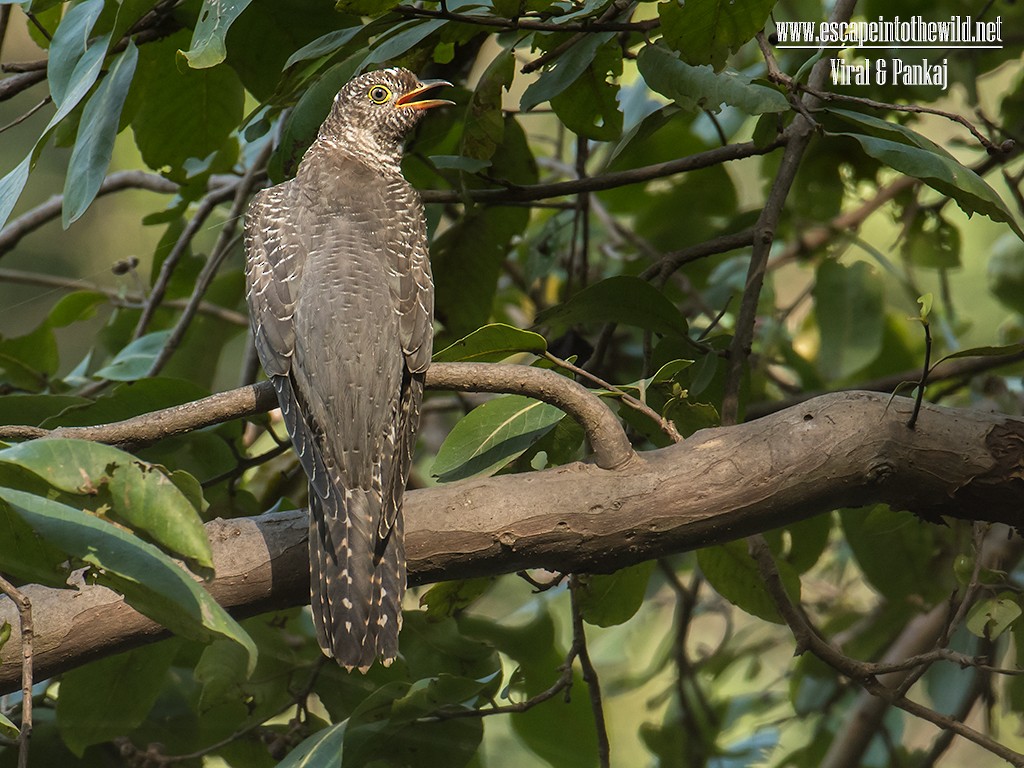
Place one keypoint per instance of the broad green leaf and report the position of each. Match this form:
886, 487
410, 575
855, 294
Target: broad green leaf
931, 241
449, 597
623, 299
321, 750
492, 435
23, 553
75, 307
731, 570
96, 133
1009, 349
400, 39
366, 7
222, 667
70, 42
215, 18
700, 87
615, 598
111, 697
8, 730
467, 259
991, 617
565, 70
886, 129
1006, 272
880, 537
134, 361
459, 163
195, 114
849, 306
126, 400
325, 45
141, 495
150, 581
491, 344
28, 362
942, 173
590, 108
11, 186
484, 125
707, 31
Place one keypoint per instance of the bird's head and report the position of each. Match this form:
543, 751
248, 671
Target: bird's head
373, 112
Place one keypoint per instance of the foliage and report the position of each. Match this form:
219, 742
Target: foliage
564, 232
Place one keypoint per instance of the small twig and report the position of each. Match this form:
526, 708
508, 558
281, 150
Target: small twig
22, 118
664, 424
589, 674
24, 606
922, 382
38, 25
541, 586
528, 23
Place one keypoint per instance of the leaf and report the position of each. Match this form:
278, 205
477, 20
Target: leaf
1006, 272
590, 108
321, 750
325, 45
134, 361
113, 696
484, 123
141, 495
491, 344
195, 114
459, 163
707, 31
69, 44
942, 173
75, 307
607, 601
622, 299
96, 133
150, 581
448, 597
699, 87
991, 617
215, 19
492, 435
565, 70
734, 575
1009, 349
401, 38
8, 730
849, 306
931, 241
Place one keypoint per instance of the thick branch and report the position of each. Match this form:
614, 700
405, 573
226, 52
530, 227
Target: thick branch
839, 450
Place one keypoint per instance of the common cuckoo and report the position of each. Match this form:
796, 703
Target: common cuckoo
341, 306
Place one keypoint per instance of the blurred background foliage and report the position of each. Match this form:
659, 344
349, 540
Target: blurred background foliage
136, 304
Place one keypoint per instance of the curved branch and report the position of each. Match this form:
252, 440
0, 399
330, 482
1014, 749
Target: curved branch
840, 450
612, 449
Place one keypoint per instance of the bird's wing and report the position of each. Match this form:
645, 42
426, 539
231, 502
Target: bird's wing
275, 258
410, 281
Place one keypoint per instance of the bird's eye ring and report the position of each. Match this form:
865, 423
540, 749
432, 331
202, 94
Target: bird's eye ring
379, 94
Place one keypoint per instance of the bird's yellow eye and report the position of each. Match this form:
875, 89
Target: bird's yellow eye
379, 94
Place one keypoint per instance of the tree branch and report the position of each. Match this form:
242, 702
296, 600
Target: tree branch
611, 447
841, 450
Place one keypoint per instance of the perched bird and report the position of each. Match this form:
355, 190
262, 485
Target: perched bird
341, 305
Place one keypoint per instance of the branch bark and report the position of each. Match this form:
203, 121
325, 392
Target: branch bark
840, 450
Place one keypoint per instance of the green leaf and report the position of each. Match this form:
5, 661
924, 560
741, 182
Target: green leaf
195, 114
849, 306
991, 617
75, 307
140, 495
365, 7
150, 581
484, 123
623, 299
931, 241
321, 750
459, 163
448, 597
69, 44
96, 133
699, 87
607, 601
731, 570
590, 108
565, 70
325, 45
8, 730
491, 344
1009, 349
942, 173
1006, 272
707, 31
399, 39
215, 19
111, 697
492, 435
134, 361
880, 537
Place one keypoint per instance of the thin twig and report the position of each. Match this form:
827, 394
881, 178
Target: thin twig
24, 606
528, 23
923, 381
22, 118
589, 674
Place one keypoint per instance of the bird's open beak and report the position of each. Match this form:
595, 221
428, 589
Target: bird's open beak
410, 99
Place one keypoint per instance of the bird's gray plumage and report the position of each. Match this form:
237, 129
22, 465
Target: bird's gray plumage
341, 304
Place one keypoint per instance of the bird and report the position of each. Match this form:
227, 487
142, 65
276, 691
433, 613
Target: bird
341, 304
